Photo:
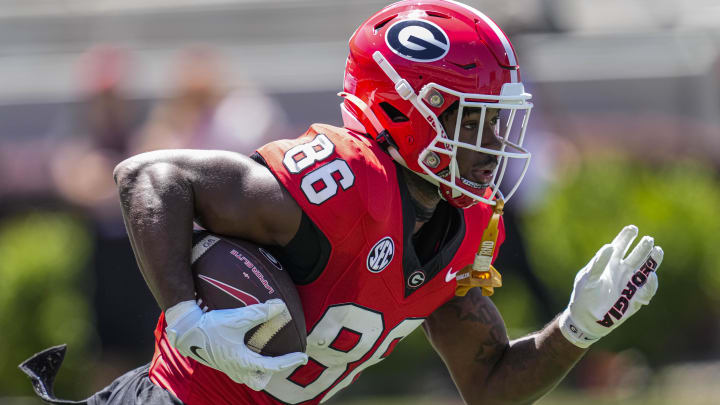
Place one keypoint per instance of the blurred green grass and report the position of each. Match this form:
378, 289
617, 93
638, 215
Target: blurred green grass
695, 383
563, 397
692, 383
655, 396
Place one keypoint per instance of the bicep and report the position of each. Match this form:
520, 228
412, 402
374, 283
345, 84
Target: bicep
470, 336
240, 197
231, 194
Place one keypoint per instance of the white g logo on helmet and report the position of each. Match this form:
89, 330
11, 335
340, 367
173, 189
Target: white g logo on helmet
417, 40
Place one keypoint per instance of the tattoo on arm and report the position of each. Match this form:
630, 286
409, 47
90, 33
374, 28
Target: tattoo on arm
538, 361
481, 311
470, 335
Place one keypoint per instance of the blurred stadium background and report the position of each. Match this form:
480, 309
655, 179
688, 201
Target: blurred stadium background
626, 129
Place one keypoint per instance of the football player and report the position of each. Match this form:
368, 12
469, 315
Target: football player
386, 224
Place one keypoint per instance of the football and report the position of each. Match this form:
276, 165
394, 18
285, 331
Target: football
233, 273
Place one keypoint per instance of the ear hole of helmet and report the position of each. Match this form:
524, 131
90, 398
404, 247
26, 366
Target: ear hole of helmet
393, 113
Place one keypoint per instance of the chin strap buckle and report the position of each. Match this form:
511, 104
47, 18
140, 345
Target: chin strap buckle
404, 89
481, 273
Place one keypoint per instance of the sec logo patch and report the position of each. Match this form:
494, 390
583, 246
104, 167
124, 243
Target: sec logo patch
381, 255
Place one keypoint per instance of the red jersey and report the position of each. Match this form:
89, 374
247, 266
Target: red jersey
372, 292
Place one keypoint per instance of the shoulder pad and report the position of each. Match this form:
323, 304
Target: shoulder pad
336, 176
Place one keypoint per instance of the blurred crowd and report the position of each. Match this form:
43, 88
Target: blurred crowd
69, 169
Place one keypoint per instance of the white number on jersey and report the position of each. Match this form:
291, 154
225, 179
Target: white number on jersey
332, 359
322, 182
300, 157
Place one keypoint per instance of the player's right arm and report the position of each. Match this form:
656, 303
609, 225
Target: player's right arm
162, 193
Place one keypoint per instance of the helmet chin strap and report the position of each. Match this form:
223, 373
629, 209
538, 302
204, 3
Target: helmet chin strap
405, 90
378, 128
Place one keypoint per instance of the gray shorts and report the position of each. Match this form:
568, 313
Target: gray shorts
131, 388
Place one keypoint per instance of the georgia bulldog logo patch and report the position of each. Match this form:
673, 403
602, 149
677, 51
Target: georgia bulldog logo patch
417, 40
381, 255
416, 279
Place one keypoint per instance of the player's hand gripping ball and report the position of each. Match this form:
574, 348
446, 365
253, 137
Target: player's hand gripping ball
611, 288
248, 320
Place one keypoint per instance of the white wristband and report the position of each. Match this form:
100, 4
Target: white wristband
573, 333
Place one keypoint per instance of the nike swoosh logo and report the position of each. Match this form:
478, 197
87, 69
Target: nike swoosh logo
194, 350
242, 296
450, 275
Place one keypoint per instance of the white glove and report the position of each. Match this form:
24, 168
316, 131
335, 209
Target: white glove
216, 339
610, 289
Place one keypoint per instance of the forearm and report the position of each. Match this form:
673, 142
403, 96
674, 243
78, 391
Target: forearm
531, 366
157, 206
470, 335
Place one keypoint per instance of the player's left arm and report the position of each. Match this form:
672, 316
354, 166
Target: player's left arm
470, 336
487, 368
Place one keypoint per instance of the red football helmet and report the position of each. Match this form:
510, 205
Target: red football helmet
411, 61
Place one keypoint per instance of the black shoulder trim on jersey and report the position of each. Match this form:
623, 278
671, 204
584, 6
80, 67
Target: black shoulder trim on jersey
307, 253
428, 252
410, 261
408, 210
256, 157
